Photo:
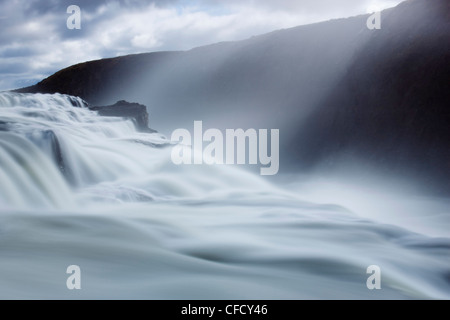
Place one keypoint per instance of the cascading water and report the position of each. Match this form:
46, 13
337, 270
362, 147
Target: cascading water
80, 189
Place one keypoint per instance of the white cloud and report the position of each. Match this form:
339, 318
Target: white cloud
378, 5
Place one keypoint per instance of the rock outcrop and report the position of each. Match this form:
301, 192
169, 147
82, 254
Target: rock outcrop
137, 112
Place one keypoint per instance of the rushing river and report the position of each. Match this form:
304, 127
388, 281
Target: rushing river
80, 189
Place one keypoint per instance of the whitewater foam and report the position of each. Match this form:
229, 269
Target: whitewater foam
78, 188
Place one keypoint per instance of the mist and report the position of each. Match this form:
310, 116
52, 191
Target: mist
268, 81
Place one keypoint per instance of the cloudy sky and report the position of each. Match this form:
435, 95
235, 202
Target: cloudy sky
35, 41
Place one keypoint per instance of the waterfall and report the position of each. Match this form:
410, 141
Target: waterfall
77, 188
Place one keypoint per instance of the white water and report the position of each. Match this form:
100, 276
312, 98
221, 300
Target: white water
76, 188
